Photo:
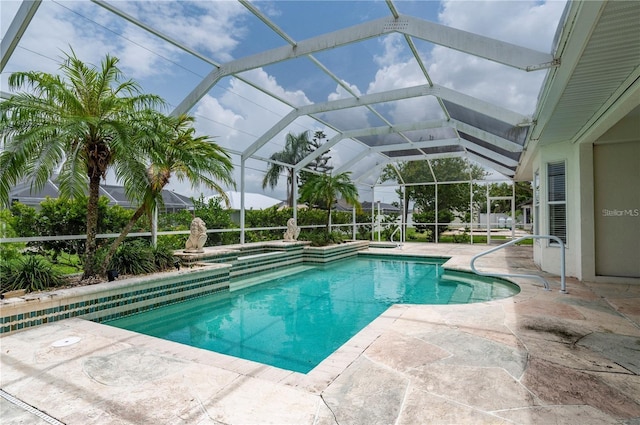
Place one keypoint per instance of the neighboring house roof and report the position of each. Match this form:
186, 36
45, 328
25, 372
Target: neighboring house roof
252, 201
24, 194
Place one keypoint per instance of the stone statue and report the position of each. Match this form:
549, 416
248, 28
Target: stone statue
197, 237
292, 230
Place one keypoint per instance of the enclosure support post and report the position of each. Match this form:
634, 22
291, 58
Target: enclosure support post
353, 231
403, 235
294, 195
242, 188
488, 216
378, 221
373, 221
513, 211
436, 229
471, 210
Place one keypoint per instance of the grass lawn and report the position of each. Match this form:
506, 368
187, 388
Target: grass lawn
67, 263
414, 236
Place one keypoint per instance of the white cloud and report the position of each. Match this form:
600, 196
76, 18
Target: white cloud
138, 57
527, 23
240, 115
220, 123
393, 47
341, 93
346, 118
214, 28
398, 75
269, 82
51, 36
269, 8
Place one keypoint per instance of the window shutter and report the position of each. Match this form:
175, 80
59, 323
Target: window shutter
557, 200
556, 182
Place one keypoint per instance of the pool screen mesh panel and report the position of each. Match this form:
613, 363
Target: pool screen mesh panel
211, 59
486, 123
479, 145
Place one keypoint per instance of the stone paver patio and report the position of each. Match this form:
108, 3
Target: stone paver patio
540, 357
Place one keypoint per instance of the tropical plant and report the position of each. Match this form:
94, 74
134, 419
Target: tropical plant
163, 257
83, 123
31, 273
133, 257
188, 157
295, 149
8, 251
323, 190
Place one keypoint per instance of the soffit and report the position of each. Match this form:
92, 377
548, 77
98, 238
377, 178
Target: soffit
608, 66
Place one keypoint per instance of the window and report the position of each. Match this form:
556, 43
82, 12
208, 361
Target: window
557, 200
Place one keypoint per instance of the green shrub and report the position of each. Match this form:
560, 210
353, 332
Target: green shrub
8, 251
31, 273
133, 257
321, 237
174, 241
163, 256
24, 220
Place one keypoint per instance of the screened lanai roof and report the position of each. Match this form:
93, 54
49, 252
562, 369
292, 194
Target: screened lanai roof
385, 81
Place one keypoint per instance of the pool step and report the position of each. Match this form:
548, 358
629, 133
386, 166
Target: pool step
245, 282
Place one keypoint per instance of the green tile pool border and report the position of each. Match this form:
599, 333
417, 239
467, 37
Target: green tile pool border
107, 301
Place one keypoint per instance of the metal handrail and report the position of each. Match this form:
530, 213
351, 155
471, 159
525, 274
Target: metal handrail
393, 233
563, 285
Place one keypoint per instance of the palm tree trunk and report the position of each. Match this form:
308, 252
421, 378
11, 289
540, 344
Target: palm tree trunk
118, 241
92, 226
291, 181
329, 218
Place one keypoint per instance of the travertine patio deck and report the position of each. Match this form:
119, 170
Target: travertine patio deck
539, 357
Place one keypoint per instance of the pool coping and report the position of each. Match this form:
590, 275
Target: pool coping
316, 380
434, 364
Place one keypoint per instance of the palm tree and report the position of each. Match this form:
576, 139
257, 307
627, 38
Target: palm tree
295, 149
82, 124
323, 190
188, 157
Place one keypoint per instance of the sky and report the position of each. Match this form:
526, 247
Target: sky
235, 114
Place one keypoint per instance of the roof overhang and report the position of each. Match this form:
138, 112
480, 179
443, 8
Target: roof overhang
597, 82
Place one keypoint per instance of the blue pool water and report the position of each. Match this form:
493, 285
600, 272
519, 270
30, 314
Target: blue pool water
296, 320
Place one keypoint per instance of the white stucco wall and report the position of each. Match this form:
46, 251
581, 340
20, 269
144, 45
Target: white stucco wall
581, 251
546, 254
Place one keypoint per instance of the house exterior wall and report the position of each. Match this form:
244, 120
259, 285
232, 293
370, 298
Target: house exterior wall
616, 165
597, 245
546, 253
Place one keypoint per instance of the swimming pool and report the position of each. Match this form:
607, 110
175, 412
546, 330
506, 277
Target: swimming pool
296, 318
